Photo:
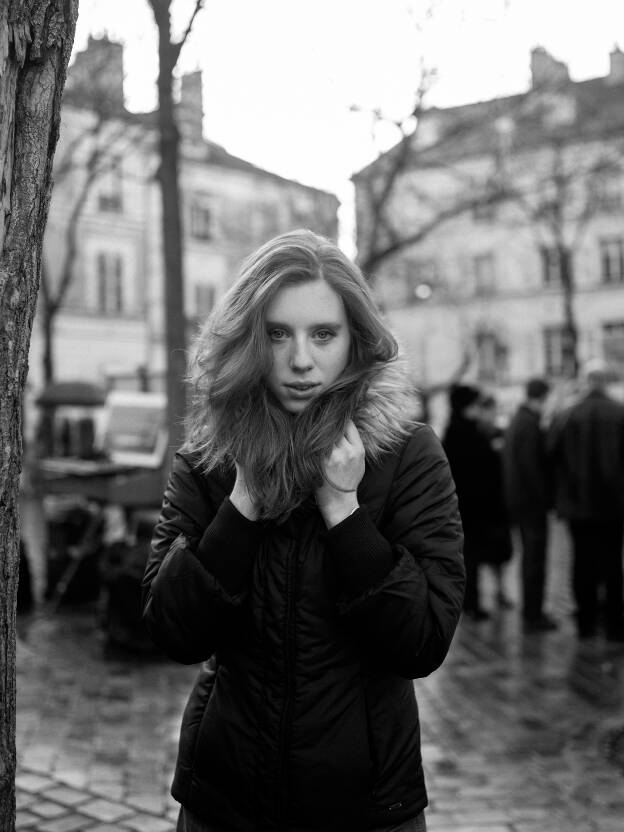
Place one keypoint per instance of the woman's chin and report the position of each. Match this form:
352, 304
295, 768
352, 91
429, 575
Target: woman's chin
294, 408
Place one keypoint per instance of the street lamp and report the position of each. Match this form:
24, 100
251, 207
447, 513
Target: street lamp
423, 291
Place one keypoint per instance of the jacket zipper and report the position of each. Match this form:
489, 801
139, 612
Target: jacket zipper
289, 668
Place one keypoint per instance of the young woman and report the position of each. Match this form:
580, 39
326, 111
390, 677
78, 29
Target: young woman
309, 547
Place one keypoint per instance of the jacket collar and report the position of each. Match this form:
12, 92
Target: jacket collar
388, 410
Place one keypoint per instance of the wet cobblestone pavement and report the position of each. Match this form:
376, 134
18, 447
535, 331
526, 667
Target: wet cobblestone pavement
521, 733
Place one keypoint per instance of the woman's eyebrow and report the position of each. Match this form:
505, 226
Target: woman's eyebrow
318, 325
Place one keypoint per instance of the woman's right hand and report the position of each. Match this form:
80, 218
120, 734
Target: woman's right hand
240, 498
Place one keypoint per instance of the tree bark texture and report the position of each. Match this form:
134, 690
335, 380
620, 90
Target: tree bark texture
36, 38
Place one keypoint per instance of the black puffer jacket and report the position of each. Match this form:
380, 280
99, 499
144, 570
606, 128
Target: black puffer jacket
305, 717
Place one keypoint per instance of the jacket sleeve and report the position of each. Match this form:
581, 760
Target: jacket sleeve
405, 608
196, 578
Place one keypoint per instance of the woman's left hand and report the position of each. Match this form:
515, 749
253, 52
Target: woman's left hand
343, 470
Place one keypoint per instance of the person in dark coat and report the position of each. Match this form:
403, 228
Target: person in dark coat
475, 466
309, 552
528, 490
587, 446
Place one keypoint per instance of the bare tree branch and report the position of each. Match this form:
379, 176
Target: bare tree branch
105, 142
423, 230
177, 46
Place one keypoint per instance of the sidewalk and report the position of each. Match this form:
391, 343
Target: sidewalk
520, 733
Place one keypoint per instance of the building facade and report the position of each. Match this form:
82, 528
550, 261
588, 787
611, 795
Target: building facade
104, 231
521, 204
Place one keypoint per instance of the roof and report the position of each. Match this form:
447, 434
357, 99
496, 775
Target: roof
213, 153
596, 111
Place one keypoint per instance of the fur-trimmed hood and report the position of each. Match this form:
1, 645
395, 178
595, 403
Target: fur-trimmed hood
388, 409
283, 455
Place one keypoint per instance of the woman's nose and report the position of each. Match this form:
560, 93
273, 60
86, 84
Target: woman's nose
300, 358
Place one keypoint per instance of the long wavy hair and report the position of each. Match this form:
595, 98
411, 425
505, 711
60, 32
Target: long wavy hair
233, 414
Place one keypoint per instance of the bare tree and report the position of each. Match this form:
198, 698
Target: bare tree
385, 230
168, 176
390, 183
529, 150
559, 198
91, 154
36, 38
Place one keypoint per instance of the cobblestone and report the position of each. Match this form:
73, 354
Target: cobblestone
520, 733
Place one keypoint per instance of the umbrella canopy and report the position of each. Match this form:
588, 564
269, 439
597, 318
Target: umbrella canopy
72, 393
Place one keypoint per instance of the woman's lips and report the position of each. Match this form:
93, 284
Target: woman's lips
301, 390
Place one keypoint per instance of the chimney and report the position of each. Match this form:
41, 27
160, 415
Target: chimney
547, 71
191, 107
95, 79
616, 66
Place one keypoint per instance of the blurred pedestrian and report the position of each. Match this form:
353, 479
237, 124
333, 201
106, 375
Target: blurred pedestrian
587, 444
528, 490
497, 555
476, 470
309, 545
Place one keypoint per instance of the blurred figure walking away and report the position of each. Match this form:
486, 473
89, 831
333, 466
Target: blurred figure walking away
587, 445
475, 466
498, 553
528, 492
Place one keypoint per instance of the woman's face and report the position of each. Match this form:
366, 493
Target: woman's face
310, 339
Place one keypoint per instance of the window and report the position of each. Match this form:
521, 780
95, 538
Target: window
201, 219
110, 196
551, 266
613, 342
492, 357
606, 193
109, 283
420, 276
484, 274
612, 260
204, 299
554, 363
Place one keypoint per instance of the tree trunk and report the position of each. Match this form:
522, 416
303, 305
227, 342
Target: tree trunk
36, 38
175, 320
570, 360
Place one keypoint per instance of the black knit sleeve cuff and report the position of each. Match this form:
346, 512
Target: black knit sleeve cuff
362, 555
228, 546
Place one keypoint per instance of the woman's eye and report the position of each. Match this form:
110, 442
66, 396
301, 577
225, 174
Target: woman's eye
277, 334
324, 334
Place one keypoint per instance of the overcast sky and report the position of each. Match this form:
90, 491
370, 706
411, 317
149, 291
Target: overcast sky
280, 76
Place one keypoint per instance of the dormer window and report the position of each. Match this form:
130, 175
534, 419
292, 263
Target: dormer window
559, 110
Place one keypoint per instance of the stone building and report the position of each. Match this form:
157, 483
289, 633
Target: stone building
521, 194
103, 231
